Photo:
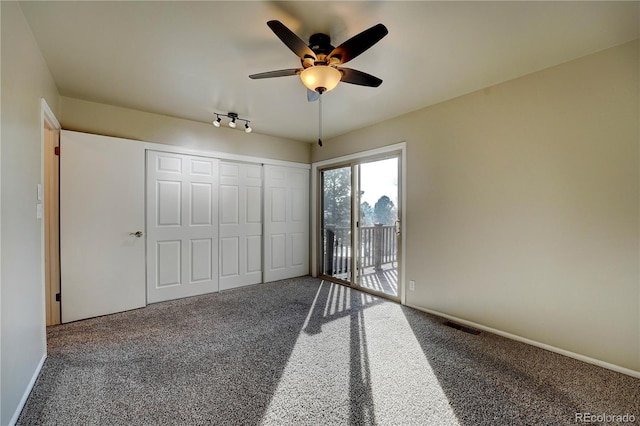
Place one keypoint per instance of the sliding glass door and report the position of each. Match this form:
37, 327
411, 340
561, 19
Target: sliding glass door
336, 261
359, 235
378, 226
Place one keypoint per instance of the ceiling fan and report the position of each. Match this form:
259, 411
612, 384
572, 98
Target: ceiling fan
321, 62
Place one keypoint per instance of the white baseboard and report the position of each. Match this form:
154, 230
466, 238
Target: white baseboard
27, 391
579, 357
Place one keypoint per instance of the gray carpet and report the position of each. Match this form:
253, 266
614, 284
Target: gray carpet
304, 351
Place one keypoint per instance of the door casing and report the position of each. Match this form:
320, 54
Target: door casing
50, 198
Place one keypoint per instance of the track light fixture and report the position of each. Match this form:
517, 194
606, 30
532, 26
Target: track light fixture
232, 122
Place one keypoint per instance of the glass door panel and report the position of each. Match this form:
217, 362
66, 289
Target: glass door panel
336, 253
378, 230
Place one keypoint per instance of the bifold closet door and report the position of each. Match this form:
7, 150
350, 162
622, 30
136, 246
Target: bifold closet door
182, 225
240, 224
286, 222
101, 209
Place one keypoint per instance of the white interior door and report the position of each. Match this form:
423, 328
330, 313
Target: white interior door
182, 225
101, 205
240, 224
286, 222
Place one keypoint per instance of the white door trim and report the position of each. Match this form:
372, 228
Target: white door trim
47, 115
175, 149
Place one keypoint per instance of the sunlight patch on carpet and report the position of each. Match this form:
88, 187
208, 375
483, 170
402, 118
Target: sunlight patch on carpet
345, 367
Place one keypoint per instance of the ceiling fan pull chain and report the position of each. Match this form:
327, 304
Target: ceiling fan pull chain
320, 119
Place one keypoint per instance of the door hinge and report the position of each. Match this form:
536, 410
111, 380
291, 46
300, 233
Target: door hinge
56, 150
57, 297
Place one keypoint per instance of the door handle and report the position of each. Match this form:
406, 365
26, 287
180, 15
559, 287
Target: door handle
137, 234
398, 228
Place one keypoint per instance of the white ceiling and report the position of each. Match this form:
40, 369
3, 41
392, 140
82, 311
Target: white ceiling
191, 59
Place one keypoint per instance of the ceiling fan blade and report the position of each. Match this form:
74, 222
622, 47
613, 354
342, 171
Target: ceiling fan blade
359, 43
293, 42
358, 77
278, 73
312, 95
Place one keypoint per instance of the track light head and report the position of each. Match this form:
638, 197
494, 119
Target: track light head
232, 116
233, 119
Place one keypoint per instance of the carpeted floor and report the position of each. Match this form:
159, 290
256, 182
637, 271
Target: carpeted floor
304, 351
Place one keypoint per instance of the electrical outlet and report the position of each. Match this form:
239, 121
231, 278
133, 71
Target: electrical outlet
412, 285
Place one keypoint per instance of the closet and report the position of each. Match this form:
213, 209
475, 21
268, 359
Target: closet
143, 223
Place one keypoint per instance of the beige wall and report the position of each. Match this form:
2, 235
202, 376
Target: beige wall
101, 119
25, 79
523, 204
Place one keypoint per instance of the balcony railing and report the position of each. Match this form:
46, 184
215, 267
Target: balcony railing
378, 247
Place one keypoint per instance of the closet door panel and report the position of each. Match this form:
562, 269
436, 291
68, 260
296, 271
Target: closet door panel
240, 224
182, 225
286, 208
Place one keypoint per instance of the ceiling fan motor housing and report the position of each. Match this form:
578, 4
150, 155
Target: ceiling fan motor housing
320, 44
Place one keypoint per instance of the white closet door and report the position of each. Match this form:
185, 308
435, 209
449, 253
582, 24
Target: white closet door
101, 205
286, 222
182, 225
240, 224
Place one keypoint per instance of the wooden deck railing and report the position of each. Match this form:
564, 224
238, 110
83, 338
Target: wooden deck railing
378, 247
337, 251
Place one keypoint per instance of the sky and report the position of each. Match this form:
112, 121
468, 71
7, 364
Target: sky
379, 178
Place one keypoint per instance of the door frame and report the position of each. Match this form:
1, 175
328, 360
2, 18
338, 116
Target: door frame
316, 205
49, 123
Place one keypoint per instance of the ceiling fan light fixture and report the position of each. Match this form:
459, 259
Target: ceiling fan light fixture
320, 78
